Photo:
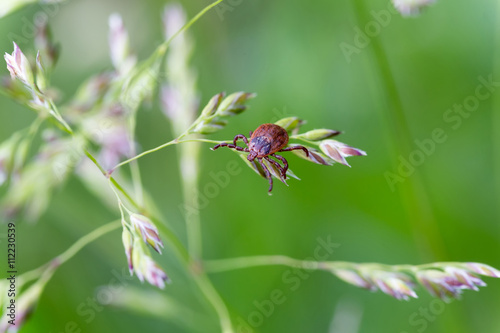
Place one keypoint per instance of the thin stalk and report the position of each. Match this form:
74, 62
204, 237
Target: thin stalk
134, 166
214, 298
144, 153
194, 234
222, 265
59, 117
85, 240
189, 157
296, 137
160, 147
71, 251
164, 46
33, 129
126, 194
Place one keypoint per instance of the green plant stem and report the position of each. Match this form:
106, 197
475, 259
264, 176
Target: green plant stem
414, 194
134, 166
163, 48
58, 116
214, 298
31, 132
201, 279
33, 129
160, 147
85, 240
193, 224
71, 251
222, 265
190, 155
294, 137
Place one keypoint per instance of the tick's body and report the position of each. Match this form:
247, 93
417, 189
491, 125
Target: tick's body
265, 141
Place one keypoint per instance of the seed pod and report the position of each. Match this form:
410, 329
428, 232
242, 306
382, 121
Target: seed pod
290, 124
212, 105
318, 134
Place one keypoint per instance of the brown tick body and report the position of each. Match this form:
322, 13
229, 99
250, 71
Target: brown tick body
265, 141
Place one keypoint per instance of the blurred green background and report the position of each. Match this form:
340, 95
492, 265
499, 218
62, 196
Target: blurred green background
289, 53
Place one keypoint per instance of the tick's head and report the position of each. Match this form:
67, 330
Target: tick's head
260, 146
252, 156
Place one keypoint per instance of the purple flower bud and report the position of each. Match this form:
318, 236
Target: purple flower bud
146, 268
314, 156
119, 45
354, 278
483, 269
138, 256
234, 104
212, 105
147, 230
463, 276
127, 240
19, 66
441, 284
338, 151
154, 274
397, 285
210, 127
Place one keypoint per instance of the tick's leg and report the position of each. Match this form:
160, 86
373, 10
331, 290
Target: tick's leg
295, 148
242, 137
285, 163
268, 175
229, 145
251, 132
277, 165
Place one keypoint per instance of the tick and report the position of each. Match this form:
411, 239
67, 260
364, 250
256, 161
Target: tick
265, 142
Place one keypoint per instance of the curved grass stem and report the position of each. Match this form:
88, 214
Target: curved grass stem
222, 265
160, 147
71, 251
85, 240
